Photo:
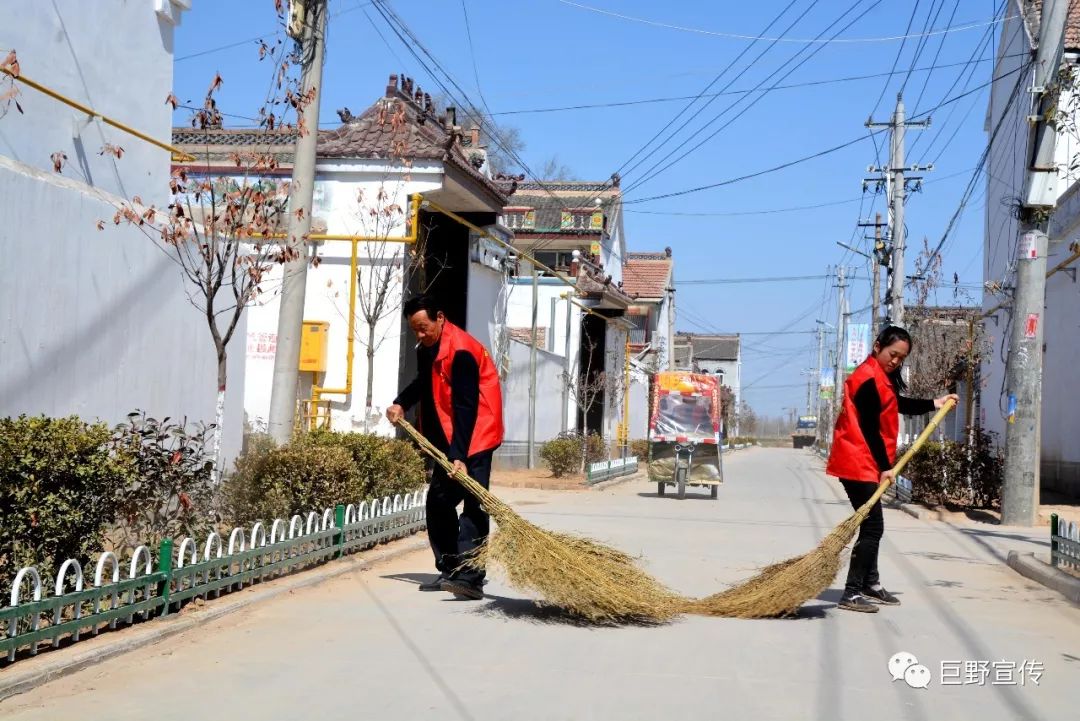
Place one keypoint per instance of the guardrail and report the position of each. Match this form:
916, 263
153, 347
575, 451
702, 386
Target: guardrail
250, 556
1064, 542
615, 468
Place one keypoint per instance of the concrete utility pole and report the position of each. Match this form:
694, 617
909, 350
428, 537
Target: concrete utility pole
817, 382
566, 365
312, 15
1024, 365
841, 336
897, 192
532, 367
671, 329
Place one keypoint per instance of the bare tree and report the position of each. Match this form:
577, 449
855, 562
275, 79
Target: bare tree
587, 386
946, 338
747, 419
224, 231
555, 170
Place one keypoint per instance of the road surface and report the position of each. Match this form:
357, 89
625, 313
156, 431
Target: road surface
368, 646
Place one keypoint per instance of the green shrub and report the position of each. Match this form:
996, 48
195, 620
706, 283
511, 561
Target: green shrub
562, 455
596, 449
951, 472
171, 494
58, 488
316, 471
386, 466
640, 447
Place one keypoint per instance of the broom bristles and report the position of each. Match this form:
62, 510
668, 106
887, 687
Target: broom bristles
603, 584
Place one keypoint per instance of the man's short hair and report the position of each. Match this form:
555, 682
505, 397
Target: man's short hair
422, 302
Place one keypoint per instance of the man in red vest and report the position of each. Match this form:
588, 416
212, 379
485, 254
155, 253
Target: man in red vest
457, 389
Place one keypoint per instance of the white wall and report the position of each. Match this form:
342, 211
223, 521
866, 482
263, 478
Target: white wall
95, 323
338, 186
482, 318
549, 386
519, 315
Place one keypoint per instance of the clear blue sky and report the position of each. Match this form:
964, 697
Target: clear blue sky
545, 53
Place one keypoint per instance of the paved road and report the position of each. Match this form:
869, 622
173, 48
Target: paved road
368, 646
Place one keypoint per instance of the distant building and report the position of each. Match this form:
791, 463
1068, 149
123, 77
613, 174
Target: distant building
719, 355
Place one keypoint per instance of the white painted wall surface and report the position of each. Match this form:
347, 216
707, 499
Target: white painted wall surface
338, 191
516, 394
95, 323
519, 315
482, 314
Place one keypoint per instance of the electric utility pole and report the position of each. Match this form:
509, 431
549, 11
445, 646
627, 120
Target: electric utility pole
671, 328
311, 16
898, 187
875, 258
841, 335
532, 367
1023, 367
817, 381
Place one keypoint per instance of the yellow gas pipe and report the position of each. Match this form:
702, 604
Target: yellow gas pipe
317, 392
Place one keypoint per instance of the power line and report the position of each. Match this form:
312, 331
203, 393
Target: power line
791, 209
787, 86
269, 34
656, 168
715, 80
806, 158
736, 36
774, 279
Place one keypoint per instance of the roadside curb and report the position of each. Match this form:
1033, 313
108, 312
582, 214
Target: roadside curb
1028, 566
639, 476
923, 514
68, 661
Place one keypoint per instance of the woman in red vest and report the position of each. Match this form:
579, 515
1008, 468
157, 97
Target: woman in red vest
863, 453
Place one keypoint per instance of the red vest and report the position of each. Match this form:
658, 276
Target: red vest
488, 432
850, 457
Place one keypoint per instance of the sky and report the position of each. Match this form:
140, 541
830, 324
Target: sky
540, 54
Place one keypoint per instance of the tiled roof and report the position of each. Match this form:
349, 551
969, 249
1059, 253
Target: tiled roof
401, 125
646, 275
710, 347
219, 145
1032, 10
405, 124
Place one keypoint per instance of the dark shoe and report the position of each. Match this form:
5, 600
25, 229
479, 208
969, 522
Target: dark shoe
432, 585
878, 594
463, 589
855, 602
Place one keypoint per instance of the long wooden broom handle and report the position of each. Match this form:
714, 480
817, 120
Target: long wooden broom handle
914, 448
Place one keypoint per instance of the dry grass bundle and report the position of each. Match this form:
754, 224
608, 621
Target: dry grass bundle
780, 589
586, 578
604, 585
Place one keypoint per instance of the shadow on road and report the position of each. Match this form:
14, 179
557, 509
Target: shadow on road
414, 578
528, 610
690, 496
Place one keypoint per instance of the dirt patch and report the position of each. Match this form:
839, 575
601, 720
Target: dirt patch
537, 478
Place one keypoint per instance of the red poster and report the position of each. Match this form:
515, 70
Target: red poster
1032, 325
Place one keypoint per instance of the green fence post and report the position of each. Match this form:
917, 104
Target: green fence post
339, 521
165, 567
1053, 538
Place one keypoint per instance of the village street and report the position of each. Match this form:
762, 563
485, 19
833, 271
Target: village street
367, 645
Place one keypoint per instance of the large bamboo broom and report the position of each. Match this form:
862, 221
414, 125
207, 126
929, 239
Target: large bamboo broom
586, 578
780, 589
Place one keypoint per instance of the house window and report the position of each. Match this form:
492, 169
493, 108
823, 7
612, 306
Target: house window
556, 259
719, 377
520, 219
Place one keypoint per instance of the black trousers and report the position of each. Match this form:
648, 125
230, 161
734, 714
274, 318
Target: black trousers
863, 568
453, 538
